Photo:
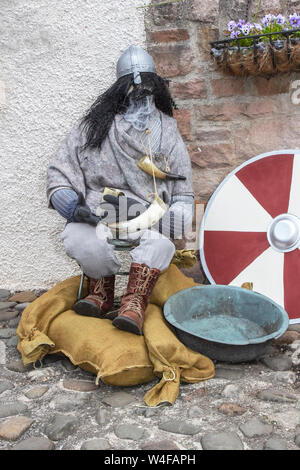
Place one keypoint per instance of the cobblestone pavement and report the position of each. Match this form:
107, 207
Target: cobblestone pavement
58, 406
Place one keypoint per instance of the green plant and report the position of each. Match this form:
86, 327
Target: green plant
268, 25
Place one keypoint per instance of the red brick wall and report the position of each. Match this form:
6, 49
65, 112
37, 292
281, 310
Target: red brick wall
223, 120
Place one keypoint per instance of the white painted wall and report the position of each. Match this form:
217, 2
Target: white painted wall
56, 57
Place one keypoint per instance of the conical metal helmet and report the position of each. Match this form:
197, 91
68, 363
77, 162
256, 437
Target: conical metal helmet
135, 60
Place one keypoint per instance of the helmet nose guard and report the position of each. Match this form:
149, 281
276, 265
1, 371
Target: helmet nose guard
135, 60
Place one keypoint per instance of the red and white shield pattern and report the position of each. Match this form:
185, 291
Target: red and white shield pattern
234, 246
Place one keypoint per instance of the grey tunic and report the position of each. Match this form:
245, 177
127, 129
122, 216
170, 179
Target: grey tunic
115, 165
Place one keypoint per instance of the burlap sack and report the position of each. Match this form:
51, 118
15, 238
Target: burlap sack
49, 325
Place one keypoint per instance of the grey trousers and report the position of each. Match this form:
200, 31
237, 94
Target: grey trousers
89, 247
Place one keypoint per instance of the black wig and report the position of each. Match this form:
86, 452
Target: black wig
99, 118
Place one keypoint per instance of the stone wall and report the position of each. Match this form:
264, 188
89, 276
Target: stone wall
224, 120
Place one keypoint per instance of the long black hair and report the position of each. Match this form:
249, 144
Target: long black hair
98, 119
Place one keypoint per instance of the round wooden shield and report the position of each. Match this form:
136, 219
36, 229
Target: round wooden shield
250, 231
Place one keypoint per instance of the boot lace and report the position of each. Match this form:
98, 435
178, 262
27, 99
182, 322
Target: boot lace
141, 289
134, 304
142, 285
99, 293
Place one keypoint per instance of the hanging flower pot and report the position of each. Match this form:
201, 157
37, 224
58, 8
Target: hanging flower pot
295, 53
265, 48
248, 60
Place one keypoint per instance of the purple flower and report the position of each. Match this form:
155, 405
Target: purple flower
246, 28
241, 23
231, 25
280, 19
257, 26
267, 20
235, 34
294, 20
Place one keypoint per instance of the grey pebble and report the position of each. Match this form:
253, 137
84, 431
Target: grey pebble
276, 396
102, 416
119, 399
96, 444
4, 294
8, 315
129, 431
275, 443
286, 376
5, 385
36, 392
7, 305
35, 443
18, 366
12, 342
159, 445
6, 333
21, 307
256, 428
221, 441
12, 409
280, 363
179, 427
61, 426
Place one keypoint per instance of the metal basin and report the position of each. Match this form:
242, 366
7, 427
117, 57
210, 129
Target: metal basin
225, 323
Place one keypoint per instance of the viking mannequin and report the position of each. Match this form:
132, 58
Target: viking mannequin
133, 118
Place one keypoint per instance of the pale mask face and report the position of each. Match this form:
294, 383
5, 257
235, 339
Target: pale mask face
140, 109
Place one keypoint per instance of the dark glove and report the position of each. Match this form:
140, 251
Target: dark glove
83, 213
123, 208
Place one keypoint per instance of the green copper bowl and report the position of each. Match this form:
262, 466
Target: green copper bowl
225, 323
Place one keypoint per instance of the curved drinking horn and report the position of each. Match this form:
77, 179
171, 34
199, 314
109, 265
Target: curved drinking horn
144, 221
146, 165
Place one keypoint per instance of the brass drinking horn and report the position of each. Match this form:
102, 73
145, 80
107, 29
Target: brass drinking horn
146, 165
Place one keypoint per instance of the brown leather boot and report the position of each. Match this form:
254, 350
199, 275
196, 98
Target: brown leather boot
100, 299
135, 300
